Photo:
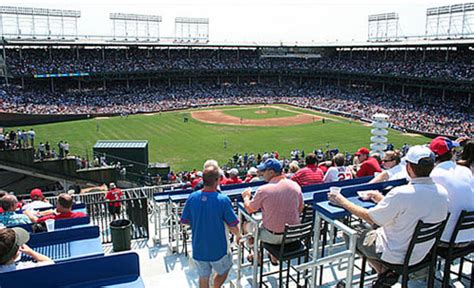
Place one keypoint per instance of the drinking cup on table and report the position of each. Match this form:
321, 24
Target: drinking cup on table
335, 191
49, 225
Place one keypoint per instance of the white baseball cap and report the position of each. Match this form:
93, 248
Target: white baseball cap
416, 153
252, 171
233, 171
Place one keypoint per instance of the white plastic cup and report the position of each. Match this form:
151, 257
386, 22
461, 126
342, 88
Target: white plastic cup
335, 190
49, 225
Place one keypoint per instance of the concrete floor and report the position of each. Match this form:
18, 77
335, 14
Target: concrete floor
161, 268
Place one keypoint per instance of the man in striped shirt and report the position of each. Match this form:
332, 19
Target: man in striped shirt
311, 174
280, 201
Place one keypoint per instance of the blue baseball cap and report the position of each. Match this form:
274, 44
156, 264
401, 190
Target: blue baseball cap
271, 163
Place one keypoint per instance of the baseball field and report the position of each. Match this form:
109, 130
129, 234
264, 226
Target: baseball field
219, 133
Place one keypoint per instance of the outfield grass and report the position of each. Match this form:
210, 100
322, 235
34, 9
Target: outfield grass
188, 145
258, 113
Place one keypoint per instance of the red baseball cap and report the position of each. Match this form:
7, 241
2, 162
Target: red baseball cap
362, 150
36, 193
442, 145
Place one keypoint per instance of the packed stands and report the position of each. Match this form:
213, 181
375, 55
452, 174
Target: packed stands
433, 115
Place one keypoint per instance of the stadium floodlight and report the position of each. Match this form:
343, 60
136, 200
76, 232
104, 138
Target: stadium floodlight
135, 26
454, 21
383, 27
191, 29
32, 22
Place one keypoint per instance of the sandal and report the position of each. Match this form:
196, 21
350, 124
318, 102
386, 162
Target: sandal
273, 263
386, 279
250, 259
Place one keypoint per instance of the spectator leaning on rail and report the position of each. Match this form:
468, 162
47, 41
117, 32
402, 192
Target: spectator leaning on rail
395, 167
10, 217
37, 201
456, 179
397, 215
281, 202
63, 210
12, 243
209, 213
310, 174
368, 165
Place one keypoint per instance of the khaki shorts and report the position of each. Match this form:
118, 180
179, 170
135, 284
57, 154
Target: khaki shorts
265, 235
366, 244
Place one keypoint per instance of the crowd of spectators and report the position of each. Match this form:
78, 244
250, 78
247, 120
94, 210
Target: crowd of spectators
432, 65
429, 114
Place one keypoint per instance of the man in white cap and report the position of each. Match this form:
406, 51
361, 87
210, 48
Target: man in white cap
233, 177
397, 215
251, 173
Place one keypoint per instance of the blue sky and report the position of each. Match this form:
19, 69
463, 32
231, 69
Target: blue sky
234, 21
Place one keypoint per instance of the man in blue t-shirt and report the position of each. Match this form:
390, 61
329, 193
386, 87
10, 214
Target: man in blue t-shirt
208, 211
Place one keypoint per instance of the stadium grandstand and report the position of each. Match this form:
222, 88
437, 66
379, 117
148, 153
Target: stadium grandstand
339, 216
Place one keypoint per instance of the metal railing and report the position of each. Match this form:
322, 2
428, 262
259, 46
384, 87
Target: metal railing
133, 209
138, 206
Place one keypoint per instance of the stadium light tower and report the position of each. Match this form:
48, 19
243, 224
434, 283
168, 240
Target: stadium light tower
18, 22
191, 29
383, 27
454, 21
136, 26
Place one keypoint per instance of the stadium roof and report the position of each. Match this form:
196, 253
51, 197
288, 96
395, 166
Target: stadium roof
121, 144
107, 41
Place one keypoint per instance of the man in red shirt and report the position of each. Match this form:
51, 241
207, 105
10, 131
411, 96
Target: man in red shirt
63, 209
310, 174
233, 177
368, 165
114, 195
197, 179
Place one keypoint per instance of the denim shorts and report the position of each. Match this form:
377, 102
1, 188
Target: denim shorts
221, 266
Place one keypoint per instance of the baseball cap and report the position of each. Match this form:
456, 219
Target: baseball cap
418, 152
36, 193
112, 185
271, 163
441, 145
252, 171
362, 150
233, 171
21, 237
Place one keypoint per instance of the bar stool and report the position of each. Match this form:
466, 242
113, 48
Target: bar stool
295, 245
424, 232
452, 252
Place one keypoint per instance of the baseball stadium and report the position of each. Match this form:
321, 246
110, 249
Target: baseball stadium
137, 159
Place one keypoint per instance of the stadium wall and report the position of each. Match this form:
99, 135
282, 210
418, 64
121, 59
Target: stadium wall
18, 119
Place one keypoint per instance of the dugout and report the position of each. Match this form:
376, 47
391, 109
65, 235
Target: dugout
131, 154
159, 168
